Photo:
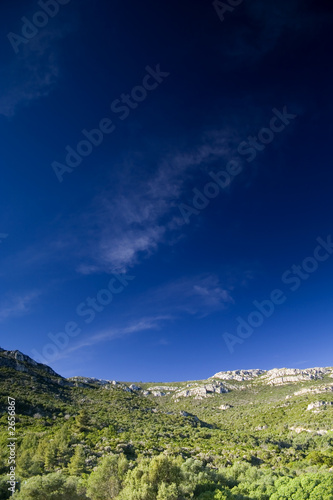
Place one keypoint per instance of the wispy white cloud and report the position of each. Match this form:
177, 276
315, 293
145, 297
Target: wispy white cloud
33, 73
140, 325
122, 249
126, 228
18, 305
213, 296
199, 295
119, 231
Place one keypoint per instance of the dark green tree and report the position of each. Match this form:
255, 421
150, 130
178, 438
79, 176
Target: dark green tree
82, 421
77, 464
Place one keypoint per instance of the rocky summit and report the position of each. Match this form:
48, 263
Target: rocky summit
22, 362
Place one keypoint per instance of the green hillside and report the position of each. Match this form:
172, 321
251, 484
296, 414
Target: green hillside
268, 437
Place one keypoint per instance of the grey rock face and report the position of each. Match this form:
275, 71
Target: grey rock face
134, 387
164, 388
22, 363
291, 375
314, 390
158, 393
202, 391
239, 375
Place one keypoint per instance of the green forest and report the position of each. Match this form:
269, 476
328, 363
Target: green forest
78, 439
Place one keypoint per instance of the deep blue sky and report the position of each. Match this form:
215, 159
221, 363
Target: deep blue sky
119, 212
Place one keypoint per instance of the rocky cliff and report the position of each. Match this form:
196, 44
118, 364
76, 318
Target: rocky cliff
291, 375
23, 363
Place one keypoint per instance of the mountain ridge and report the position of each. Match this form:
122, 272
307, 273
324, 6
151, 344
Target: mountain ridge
220, 383
16, 358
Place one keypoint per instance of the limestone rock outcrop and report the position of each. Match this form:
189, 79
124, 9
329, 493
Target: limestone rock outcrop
225, 407
318, 404
314, 390
202, 391
281, 376
239, 375
22, 362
